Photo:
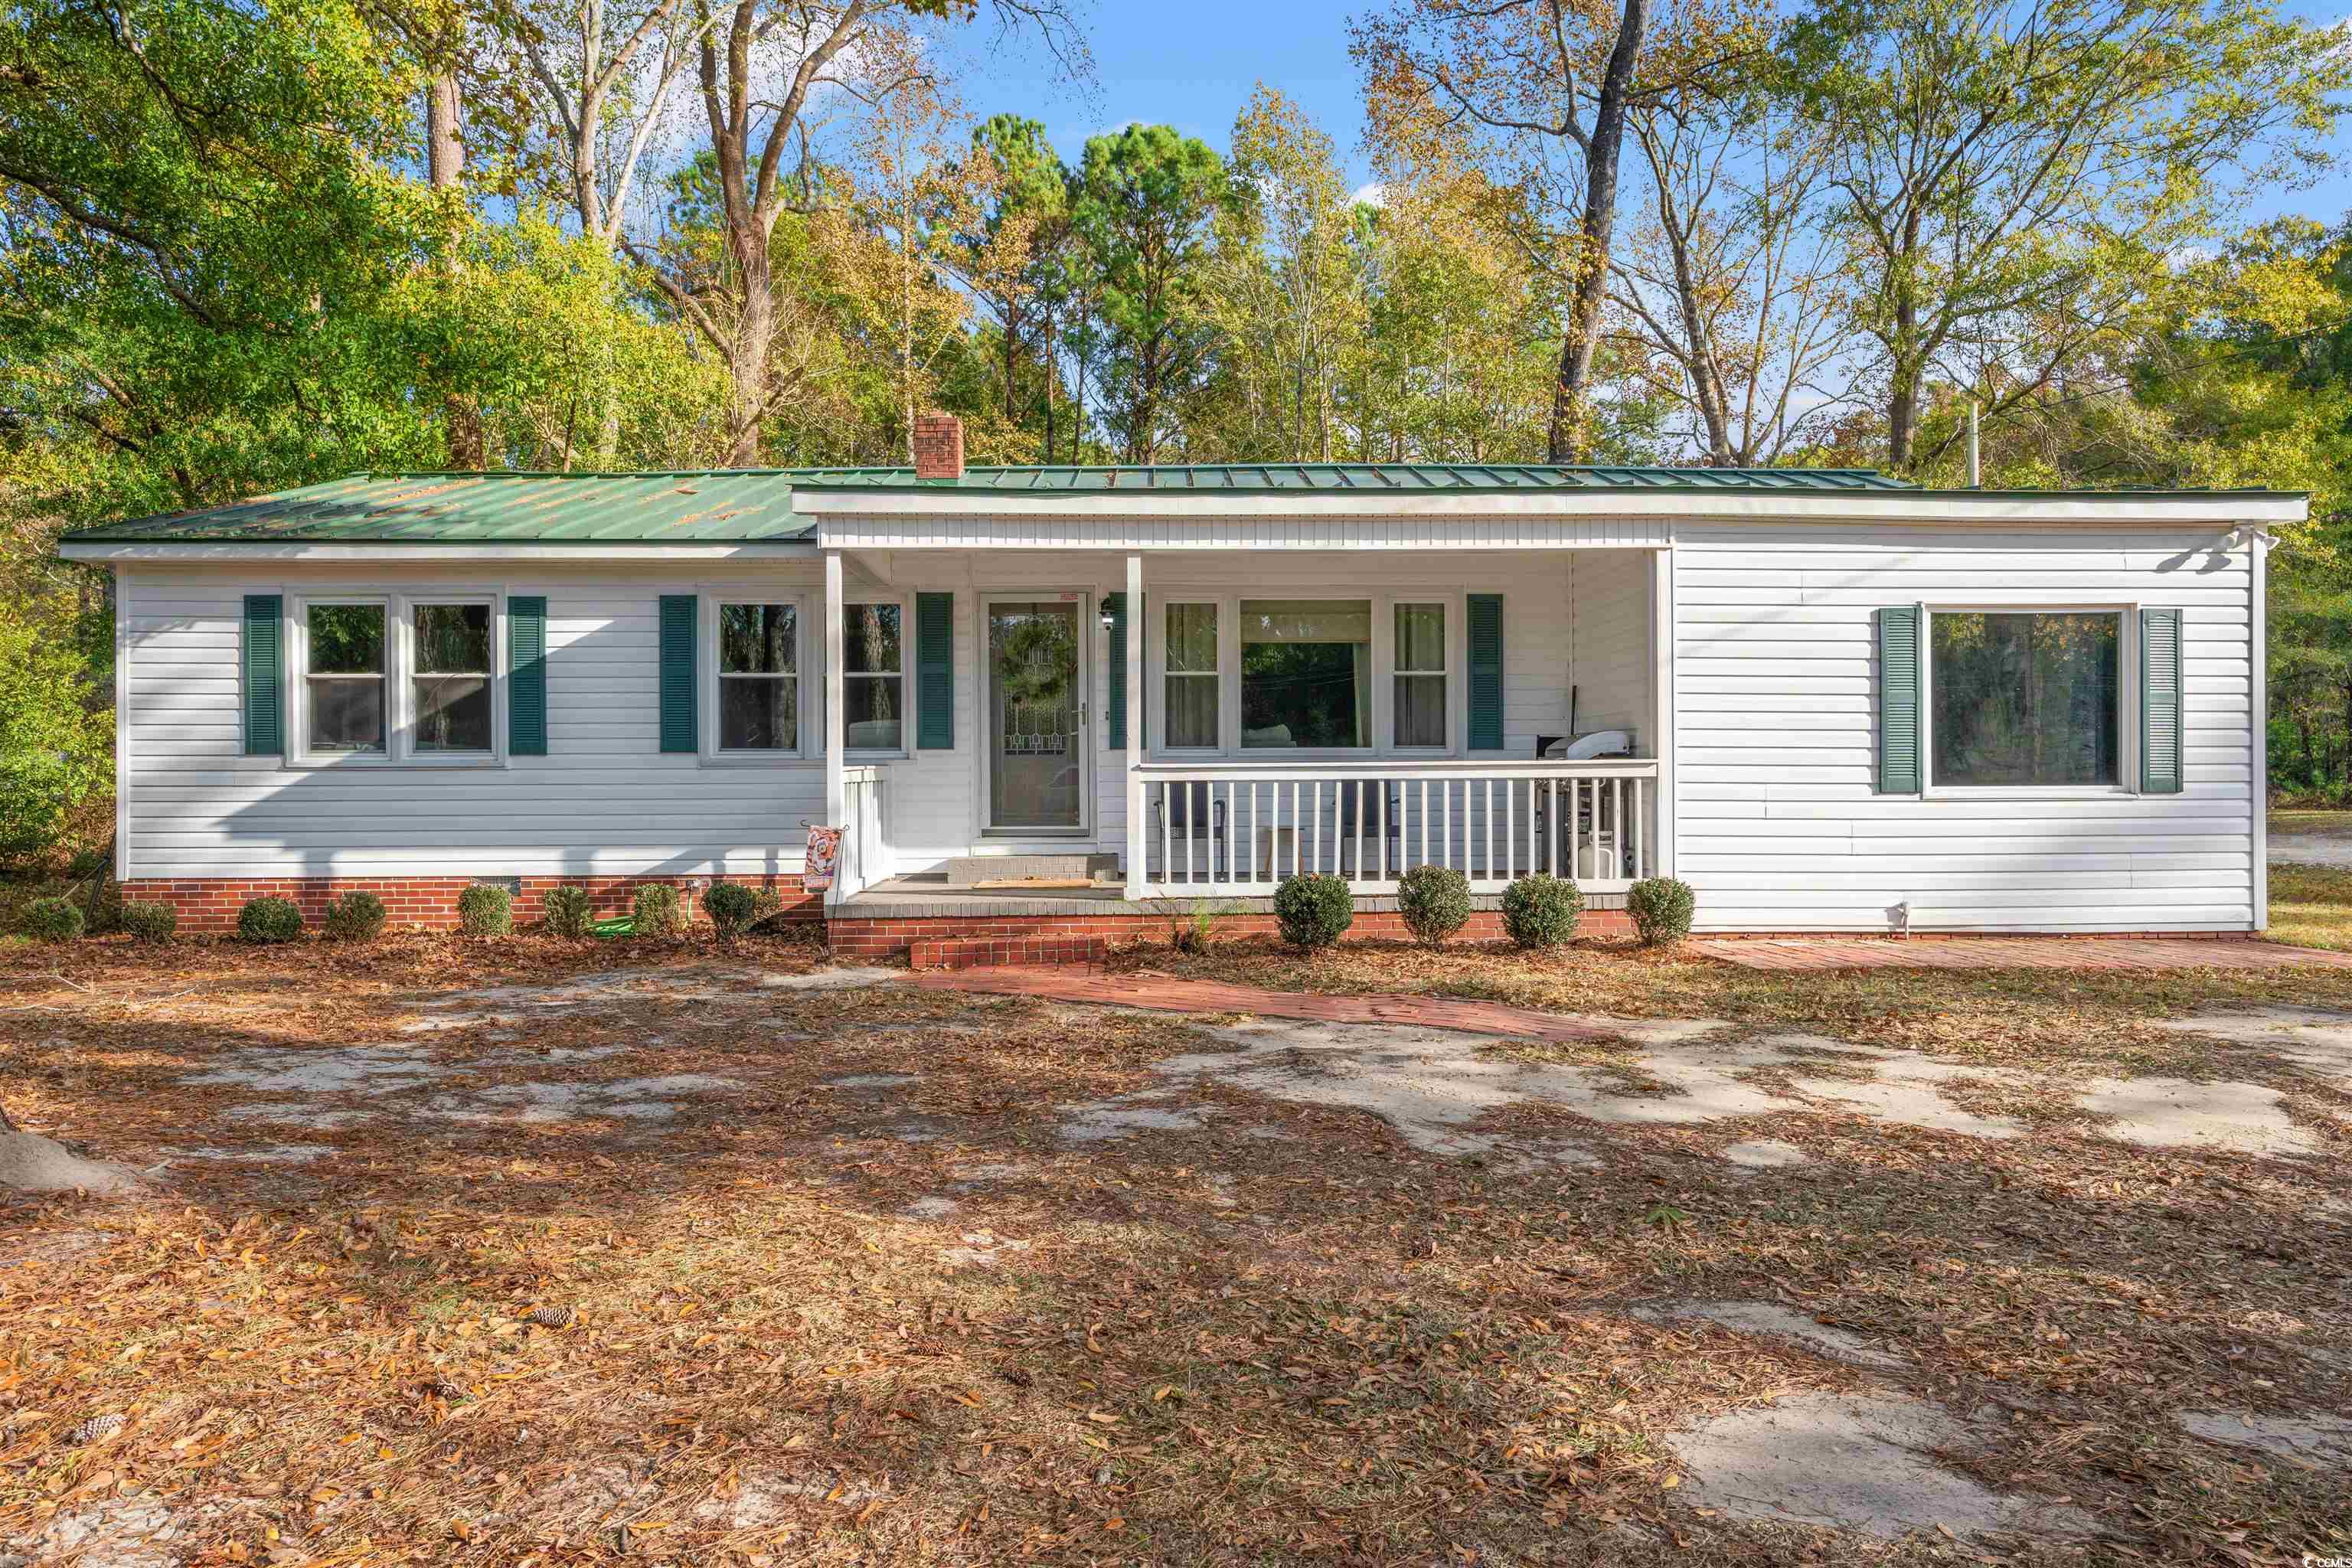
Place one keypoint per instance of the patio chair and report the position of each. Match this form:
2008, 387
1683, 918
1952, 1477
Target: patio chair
1194, 820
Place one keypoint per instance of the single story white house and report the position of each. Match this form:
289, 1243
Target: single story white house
1050, 702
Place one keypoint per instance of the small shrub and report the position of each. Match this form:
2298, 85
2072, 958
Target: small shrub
1434, 901
88, 863
1661, 907
732, 907
53, 920
269, 920
356, 917
485, 909
1313, 911
657, 911
1540, 910
149, 922
568, 910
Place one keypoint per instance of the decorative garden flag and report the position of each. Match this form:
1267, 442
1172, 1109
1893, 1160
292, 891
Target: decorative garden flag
824, 848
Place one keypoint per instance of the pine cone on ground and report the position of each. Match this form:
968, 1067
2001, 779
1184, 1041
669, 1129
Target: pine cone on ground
97, 1427
548, 1317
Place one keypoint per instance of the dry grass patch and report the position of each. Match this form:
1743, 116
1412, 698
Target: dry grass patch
1275, 1335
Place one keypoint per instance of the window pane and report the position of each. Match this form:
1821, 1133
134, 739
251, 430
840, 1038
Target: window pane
870, 639
453, 712
453, 640
1421, 709
871, 713
1193, 637
756, 639
1191, 715
1306, 672
1307, 620
2024, 699
346, 639
346, 713
1421, 636
759, 714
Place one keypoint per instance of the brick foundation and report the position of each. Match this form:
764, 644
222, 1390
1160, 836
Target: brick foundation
949, 941
208, 906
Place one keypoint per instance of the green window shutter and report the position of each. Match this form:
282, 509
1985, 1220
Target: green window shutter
1486, 628
527, 675
1898, 699
265, 675
2160, 702
1115, 688
935, 671
679, 699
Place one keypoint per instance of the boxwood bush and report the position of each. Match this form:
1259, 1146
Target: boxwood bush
485, 909
269, 920
1313, 911
657, 911
356, 917
567, 909
1434, 901
1661, 907
53, 920
149, 922
1540, 910
732, 907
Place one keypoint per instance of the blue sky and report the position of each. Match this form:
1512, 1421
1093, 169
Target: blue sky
1193, 65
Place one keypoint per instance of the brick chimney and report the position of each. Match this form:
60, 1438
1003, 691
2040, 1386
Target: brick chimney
939, 447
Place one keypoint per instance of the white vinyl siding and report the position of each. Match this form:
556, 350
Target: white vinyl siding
1778, 827
605, 802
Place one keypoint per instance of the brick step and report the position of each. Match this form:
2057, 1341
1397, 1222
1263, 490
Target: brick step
973, 952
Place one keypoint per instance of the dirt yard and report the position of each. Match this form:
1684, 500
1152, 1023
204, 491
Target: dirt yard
526, 1252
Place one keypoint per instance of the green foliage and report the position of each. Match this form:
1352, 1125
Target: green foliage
148, 922
568, 910
1434, 901
1313, 911
485, 909
269, 920
356, 916
657, 911
1661, 909
55, 746
1540, 910
53, 920
732, 907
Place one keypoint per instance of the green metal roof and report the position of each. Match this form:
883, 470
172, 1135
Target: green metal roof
1403, 478
755, 505
727, 506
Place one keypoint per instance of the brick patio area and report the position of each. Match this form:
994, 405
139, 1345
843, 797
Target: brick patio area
1165, 993
2011, 952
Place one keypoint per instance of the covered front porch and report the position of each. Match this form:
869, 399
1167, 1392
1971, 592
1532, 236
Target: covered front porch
1133, 732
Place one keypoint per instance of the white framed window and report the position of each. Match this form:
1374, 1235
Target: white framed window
874, 676
2029, 697
453, 656
1419, 676
398, 678
1191, 677
758, 676
346, 687
1306, 674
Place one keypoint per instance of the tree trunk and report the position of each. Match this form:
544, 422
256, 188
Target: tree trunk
1569, 439
747, 356
445, 163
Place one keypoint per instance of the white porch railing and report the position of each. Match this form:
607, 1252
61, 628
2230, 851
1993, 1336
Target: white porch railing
1241, 829
864, 857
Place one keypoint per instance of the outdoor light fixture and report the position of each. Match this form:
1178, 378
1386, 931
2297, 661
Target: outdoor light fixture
1109, 621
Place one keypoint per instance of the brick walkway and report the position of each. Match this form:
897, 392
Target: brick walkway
1167, 994
2013, 952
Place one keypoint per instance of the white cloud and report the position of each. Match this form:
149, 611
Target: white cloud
1372, 193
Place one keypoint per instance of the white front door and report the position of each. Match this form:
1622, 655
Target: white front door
1036, 736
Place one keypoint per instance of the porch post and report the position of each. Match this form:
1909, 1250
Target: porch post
1134, 718
835, 804
1662, 698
